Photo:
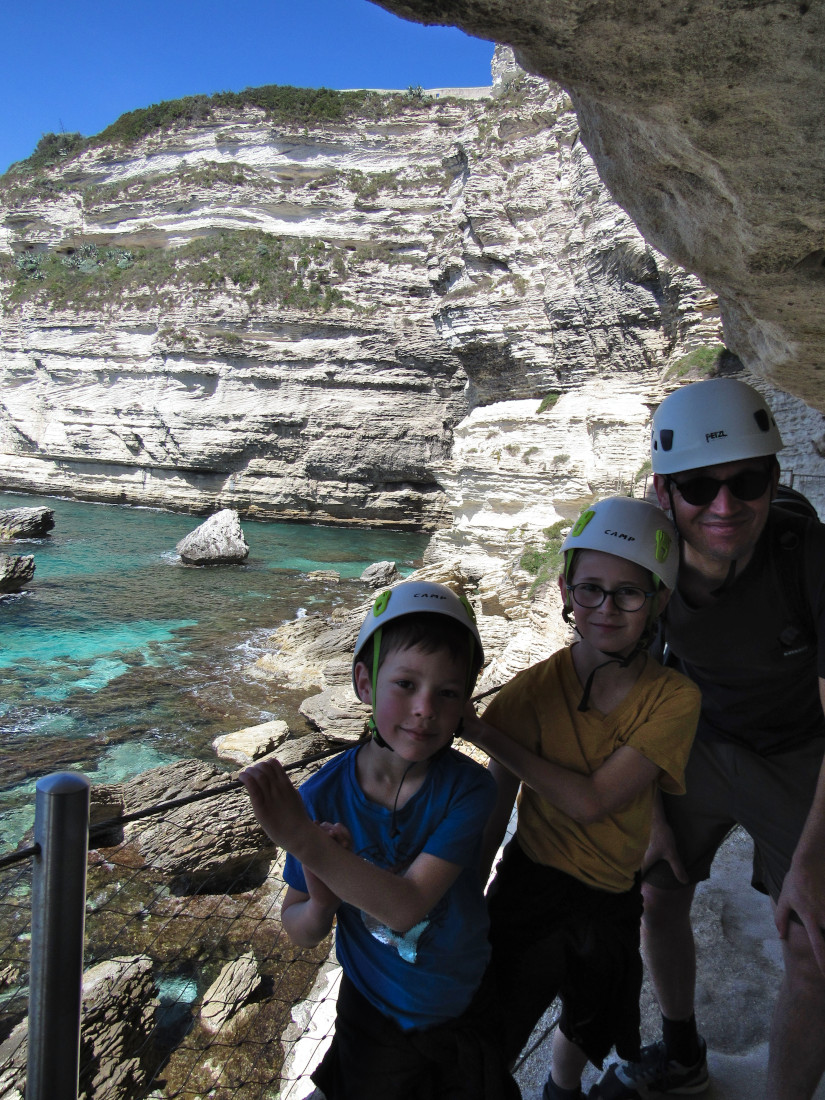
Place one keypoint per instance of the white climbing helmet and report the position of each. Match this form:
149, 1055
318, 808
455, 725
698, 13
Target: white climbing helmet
631, 529
709, 423
413, 598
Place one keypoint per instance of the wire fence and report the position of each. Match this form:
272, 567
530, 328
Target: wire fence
191, 987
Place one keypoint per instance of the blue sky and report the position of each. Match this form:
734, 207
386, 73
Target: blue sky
78, 64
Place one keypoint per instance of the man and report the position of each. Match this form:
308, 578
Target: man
747, 624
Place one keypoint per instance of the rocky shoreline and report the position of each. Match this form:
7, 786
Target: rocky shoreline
211, 856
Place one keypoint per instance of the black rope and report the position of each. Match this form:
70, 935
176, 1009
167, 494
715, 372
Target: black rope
103, 827
22, 853
187, 800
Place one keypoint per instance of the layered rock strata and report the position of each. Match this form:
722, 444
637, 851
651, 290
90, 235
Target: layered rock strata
291, 321
15, 572
26, 523
705, 122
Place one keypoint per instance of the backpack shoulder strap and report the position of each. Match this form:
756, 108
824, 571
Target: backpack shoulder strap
787, 528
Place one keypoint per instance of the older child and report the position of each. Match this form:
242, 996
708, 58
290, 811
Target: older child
590, 734
386, 839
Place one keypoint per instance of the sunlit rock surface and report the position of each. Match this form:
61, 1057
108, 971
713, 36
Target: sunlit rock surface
292, 321
706, 124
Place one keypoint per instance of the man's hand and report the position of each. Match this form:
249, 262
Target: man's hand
803, 893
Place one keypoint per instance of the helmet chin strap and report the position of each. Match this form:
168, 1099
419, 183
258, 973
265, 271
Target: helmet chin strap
375, 733
613, 659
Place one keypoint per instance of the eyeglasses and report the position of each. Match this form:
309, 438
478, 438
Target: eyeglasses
626, 598
747, 485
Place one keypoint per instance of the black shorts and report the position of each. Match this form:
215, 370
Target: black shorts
553, 935
728, 785
372, 1058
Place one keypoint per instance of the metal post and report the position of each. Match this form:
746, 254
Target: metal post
61, 832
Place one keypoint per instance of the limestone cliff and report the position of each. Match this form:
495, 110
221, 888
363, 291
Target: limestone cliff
428, 311
705, 120
291, 320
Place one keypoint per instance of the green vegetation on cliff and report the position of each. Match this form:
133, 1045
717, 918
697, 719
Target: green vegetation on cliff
282, 105
291, 272
701, 362
544, 562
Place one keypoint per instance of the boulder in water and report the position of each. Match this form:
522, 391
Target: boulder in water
218, 541
15, 573
117, 1056
380, 574
26, 523
229, 992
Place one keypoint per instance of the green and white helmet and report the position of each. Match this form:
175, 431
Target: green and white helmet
709, 423
631, 529
414, 598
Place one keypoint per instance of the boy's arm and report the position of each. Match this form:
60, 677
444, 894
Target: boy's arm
496, 827
585, 798
398, 901
305, 919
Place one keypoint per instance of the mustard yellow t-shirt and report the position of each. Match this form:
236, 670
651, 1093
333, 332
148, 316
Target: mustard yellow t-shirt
658, 717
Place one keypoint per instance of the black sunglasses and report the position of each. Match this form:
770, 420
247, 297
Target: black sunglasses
748, 485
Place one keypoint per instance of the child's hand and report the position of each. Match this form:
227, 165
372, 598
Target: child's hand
339, 833
316, 889
275, 802
473, 728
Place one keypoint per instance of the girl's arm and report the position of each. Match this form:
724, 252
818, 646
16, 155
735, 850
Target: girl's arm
585, 798
496, 827
662, 846
398, 901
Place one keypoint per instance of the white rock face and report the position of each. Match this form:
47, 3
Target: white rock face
515, 470
702, 121
353, 323
473, 254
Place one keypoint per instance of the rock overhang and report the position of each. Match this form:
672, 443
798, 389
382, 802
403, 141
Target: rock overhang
705, 121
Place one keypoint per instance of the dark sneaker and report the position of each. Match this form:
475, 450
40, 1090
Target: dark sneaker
653, 1075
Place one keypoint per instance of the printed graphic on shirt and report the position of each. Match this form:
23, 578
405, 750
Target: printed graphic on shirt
405, 943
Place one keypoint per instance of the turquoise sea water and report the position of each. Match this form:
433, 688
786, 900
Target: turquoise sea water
119, 658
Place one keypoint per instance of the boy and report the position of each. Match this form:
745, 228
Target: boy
590, 733
387, 839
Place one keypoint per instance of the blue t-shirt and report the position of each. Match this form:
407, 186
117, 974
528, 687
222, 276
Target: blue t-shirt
430, 973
